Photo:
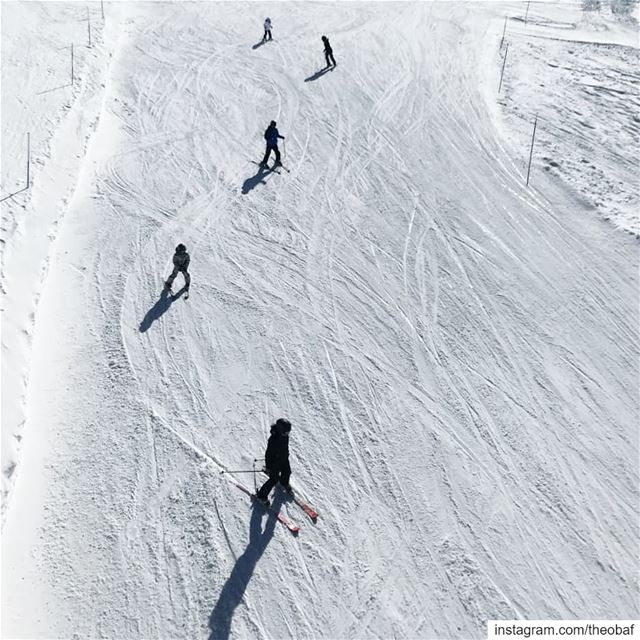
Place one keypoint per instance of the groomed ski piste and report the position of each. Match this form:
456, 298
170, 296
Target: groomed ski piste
457, 353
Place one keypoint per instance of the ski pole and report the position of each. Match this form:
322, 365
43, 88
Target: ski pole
240, 471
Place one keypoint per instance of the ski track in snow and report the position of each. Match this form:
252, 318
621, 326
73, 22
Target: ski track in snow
458, 355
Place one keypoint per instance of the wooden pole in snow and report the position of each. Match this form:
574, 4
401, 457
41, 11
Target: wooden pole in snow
102, 9
89, 25
526, 13
503, 31
531, 151
504, 62
28, 158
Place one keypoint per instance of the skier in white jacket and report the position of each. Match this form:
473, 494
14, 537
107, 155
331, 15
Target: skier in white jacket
267, 30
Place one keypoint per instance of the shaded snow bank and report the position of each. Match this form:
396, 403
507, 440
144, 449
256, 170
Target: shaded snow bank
39, 98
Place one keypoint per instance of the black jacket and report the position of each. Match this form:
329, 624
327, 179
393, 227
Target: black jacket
277, 455
271, 135
181, 260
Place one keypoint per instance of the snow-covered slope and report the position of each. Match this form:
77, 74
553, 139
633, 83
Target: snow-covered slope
457, 354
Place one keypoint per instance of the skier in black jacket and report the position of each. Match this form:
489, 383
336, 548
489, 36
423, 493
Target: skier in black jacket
181, 261
328, 52
276, 459
271, 135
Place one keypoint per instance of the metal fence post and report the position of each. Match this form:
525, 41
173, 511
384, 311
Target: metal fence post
531, 151
28, 159
504, 62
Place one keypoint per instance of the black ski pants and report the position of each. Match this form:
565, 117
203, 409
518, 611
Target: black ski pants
328, 55
268, 153
267, 35
175, 272
280, 475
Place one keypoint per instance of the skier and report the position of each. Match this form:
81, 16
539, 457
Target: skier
328, 52
276, 460
271, 135
267, 30
180, 264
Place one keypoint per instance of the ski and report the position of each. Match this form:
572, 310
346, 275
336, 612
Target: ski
290, 524
301, 502
308, 509
280, 166
267, 168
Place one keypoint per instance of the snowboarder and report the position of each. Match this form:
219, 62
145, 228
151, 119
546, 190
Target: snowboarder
328, 52
271, 135
276, 460
180, 264
267, 30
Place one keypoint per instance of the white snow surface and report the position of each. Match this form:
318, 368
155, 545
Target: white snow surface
458, 354
578, 72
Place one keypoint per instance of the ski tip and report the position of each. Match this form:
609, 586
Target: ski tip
313, 515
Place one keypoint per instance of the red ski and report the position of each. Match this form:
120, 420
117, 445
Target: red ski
301, 502
308, 509
292, 526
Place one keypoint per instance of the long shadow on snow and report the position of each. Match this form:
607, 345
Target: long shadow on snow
164, 302
254, 181
318, 74
235, 586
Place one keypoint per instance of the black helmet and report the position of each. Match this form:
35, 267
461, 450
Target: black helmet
181, 248
283, 425
273, 123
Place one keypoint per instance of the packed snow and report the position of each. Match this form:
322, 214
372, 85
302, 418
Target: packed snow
577, 71
457, 352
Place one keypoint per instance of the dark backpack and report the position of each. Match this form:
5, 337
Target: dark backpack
266, 133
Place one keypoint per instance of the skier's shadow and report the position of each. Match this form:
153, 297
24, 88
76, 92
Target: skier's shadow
235, 586
163, 303
258, 44
318, 74
254, 181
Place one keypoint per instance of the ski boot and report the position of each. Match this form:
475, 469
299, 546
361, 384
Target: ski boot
263, 501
